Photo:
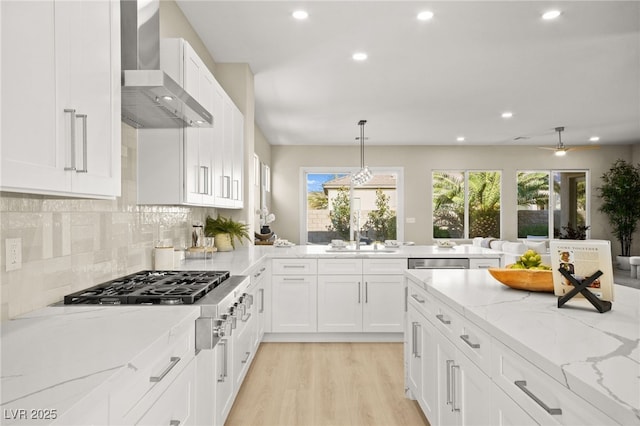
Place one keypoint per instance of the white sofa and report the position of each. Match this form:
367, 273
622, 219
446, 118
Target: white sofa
512, 250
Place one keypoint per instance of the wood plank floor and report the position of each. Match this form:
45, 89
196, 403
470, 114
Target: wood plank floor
313, 384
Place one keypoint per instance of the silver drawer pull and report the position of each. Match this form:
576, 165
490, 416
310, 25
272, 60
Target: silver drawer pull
465, 338
174, 423
522, 384
244, 361
174, 361
442, 320
293, 266
417, 299
293, 279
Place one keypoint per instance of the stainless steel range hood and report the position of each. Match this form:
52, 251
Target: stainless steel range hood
150, 98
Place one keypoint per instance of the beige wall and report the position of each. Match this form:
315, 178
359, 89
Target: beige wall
418, 163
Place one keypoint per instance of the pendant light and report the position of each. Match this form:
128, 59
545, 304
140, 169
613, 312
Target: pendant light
364, 175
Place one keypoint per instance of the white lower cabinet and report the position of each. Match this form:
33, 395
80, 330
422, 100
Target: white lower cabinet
176, 406
294, 296
350, 300
505, 412
475, 379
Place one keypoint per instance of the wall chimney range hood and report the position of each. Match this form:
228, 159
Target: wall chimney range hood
150, 98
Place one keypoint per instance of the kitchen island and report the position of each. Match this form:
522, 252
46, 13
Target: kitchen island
593, 358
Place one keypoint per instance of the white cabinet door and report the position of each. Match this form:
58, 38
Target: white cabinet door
61, 119
471, 393
224, 380
340, 299
505, 412
237, 149
383, 308
428, 398
294, 303
176, 406
446, 356
413, 349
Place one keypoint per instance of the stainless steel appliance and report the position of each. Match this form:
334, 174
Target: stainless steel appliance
438, 263
222, 298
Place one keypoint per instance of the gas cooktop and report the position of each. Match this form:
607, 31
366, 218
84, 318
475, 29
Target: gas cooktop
151, 288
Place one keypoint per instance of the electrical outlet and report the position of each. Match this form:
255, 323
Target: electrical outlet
13, 256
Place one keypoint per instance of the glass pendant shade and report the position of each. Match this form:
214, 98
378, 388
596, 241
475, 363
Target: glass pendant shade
364, 175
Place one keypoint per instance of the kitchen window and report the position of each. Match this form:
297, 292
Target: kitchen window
331, 204
466, 204
553, 200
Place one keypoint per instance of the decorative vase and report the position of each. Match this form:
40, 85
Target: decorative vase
265, 229
623, 263
223, 242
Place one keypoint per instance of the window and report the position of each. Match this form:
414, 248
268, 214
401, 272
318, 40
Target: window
567, 201
332, 206
466, 204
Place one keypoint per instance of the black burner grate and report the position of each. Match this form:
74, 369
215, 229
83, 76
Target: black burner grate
151, 287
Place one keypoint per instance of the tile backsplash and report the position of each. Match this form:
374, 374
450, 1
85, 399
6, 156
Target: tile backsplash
69, 244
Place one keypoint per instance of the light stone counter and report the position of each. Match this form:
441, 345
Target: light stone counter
243, 258
595, 355
58, 357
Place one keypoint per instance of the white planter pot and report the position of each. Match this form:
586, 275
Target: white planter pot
223, 242
623, 263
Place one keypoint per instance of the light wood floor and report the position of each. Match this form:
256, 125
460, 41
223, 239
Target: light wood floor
313, 384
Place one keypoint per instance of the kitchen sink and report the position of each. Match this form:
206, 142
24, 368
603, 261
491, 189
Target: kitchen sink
364, 250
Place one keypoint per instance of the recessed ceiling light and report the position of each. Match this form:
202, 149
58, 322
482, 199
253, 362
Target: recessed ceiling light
300, 15
507, 114
594, 138
460, 138
551, 14
425, 15
359, 56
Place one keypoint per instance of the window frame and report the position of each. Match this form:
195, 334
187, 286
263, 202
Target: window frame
467, 218
304, 171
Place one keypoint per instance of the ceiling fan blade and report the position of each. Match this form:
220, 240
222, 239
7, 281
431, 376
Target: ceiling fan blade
582, 148
549, 148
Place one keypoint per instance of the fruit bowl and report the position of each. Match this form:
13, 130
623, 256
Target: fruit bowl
524, 279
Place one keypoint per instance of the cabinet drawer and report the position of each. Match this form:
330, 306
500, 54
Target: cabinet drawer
446, 320
340, 266
543, 398
152, 371
475, 343
294, 266
384, 266
418, 297
484, 263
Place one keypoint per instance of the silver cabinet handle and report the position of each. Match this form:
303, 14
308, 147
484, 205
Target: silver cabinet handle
292, 279
83, 117
359, 291
72, 142
174, 361
236, 189
414, 339
293, 266
417, 299
244, 361
205, 180
223, 374
366, 292
522, 384
261, 300
406, 299
174, 423
453, 388
465, 338
246, 318
442, 320
449, 363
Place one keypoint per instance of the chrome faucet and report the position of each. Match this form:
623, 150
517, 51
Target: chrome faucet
357, 237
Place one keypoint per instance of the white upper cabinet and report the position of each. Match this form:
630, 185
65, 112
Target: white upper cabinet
193, 166
61, 97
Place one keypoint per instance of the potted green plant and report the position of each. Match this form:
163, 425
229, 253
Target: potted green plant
225, 231
620, 194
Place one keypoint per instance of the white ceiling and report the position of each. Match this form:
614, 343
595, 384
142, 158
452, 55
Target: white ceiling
426, 83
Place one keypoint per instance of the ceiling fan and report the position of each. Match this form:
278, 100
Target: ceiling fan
560, 149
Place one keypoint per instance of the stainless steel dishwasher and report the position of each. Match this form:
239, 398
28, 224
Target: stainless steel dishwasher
439, 263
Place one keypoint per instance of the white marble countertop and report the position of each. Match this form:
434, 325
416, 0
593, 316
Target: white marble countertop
243, 258
595, 355
55, 357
